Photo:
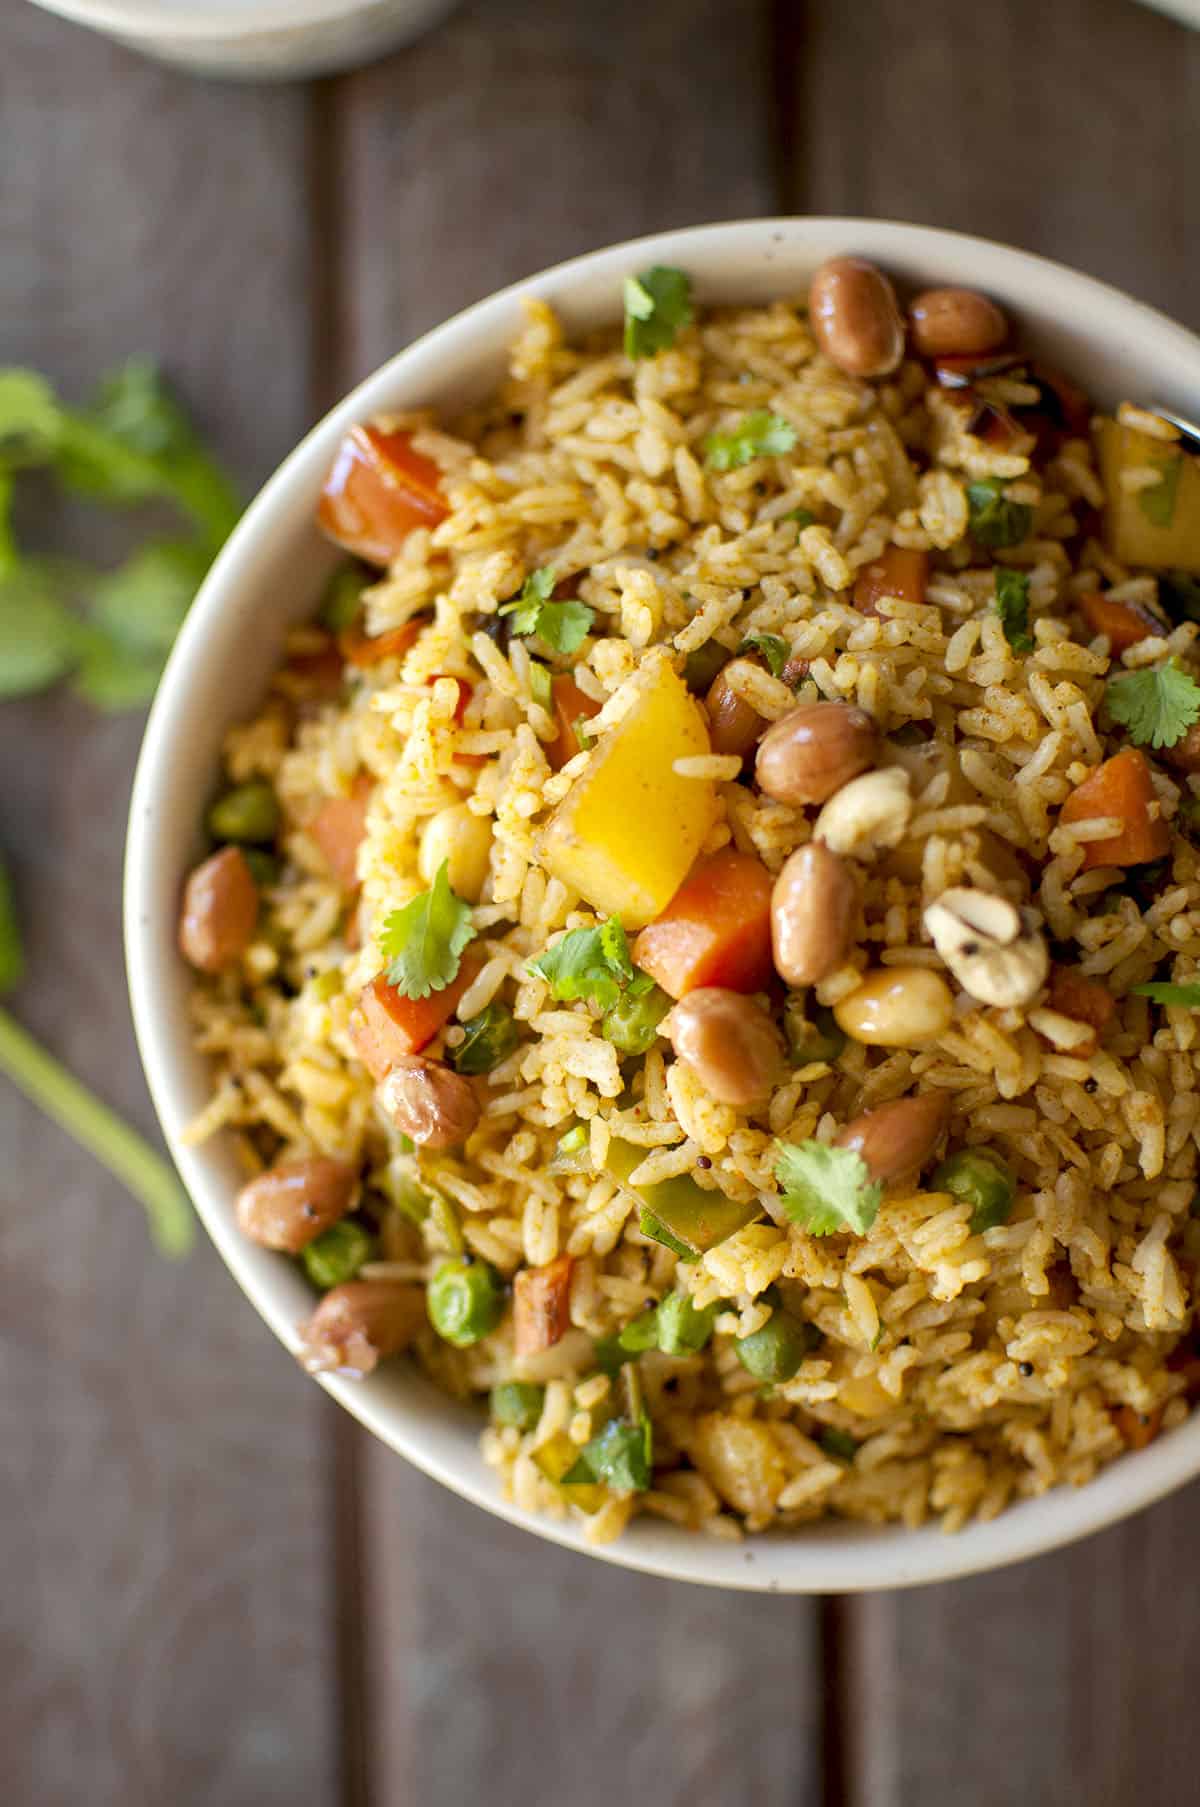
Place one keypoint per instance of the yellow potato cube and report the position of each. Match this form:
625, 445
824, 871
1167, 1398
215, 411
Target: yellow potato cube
626, 834
1157, 525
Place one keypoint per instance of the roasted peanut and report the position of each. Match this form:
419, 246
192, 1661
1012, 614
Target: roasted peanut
220, 911
897, 1138
813, 908
810, 752
359, 1322
428, 1101
729, 1042
285, 1207
867, 815
463, 840
1185, 754
951, 323
897, 1007
733, 726
854, 317
996, 951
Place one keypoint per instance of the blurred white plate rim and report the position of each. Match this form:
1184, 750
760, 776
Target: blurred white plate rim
204, 18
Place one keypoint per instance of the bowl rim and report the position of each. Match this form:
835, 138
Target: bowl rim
837, 1555
212, 18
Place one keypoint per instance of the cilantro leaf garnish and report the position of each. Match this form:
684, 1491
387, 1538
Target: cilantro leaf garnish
773, 649
1158, 705
658, 303
1186, 996
593, 964
993, 519
758, 435
110, 631
621, 1456
1157, 501
1012, 606
564, 626
827, 1189
423, 942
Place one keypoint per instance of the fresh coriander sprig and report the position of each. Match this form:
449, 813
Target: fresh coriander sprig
564, 626
772, 648
109, 632
827, 1189
994, 519
759, 434
658, 304
423, 942
1012, 606
69, 1103
1185, 997
593, 964
1157, 705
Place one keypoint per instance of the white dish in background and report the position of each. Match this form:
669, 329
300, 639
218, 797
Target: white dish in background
258, 39
269, 576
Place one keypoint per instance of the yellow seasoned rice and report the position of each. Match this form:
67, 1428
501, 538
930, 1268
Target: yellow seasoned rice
952, 1371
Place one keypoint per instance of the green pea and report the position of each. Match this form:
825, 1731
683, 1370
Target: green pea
776, 1351
465, 1301
264, 867
490, 1038
983, 1180
682, 1329
517, 1403
702, 666
815, 1037
632, 1023
337, 1253
342, 600
249, 812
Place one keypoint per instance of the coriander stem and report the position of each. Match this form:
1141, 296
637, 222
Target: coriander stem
118, 1147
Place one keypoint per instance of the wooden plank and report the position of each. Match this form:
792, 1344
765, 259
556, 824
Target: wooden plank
1063, 129
167, 1569
517, 136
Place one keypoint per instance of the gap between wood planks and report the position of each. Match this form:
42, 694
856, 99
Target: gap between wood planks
331, 327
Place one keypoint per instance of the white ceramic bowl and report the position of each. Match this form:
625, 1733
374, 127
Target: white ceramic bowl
257, 39
269, 576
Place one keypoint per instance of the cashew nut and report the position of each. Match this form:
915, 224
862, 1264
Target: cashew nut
995, 951
867, 815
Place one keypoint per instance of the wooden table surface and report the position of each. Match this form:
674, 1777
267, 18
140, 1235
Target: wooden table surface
217, 1591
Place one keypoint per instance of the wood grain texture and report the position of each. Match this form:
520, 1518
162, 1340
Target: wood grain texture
165, 1610
1066, 129
521, 134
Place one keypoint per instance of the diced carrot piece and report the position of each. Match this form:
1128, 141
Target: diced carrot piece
1137, 1428
541, 1305
338, 828
387, 1025
1084, 1001
1123, 625
899, 571
365, 650
570, 703
716, 930
1121, 787
378, 490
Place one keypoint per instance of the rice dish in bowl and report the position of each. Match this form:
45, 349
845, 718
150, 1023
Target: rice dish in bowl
679, 658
